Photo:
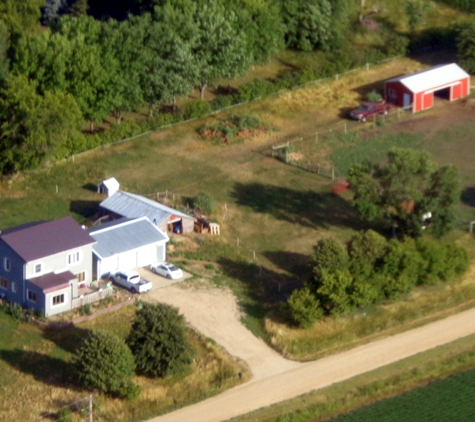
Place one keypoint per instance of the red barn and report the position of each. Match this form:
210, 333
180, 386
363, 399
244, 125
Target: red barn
417, 89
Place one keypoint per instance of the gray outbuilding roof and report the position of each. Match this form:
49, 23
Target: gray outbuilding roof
125, 235
134, 206
39, 240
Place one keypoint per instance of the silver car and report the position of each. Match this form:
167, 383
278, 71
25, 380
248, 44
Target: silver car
167, 270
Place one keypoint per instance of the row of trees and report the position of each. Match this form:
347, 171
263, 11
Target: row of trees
156, 346
370, 269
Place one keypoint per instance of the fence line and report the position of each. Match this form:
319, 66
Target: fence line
215, 112
90, 298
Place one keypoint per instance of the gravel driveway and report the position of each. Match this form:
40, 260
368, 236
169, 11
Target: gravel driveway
214, 312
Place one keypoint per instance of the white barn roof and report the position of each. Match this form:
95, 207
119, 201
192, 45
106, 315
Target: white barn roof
134, 206
125, 235
432, 77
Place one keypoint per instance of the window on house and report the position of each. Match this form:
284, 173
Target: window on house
58, 300
73, 258
7, 264
4, 283
31, 296
81, 276
14, 288
37, 268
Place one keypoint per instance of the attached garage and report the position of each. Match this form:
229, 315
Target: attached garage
126, 244
417, 90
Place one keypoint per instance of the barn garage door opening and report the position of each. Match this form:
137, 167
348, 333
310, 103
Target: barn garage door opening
443, 94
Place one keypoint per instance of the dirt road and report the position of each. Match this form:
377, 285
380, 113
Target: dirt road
283, 380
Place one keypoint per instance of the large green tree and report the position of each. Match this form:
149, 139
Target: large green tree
466, 47
105, 362
34, 127
158, 341
21, 16
218, 47
405, 189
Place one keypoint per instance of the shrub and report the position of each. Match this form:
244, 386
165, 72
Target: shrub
157, 340
221, 101
256, 89
86, 310
196, 108
64, 415
374, 96
105, 362
329, 255
16, 311
304, 307
205, 203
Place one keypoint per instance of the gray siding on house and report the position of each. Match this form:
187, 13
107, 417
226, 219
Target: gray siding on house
51, 308
39, 303
15, 275
59, 262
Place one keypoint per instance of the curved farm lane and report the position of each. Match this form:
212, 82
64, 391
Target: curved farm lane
302, 378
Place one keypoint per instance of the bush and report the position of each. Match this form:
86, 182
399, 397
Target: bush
85, 310
157, 340
329, 255
374, 96
256, 89
221, 101
304, 307
16, 311
105, 362
64, 415
205, 203
196, 108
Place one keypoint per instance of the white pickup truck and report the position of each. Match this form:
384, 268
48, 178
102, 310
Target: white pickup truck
131, 280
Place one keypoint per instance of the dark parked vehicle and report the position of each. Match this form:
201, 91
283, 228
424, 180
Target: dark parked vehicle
366, 110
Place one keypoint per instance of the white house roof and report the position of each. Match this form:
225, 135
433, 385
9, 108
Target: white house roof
433, 77
125, 235
111, 184
134, 206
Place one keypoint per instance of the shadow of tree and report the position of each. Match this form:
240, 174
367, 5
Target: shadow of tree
294, 263
69, 338
43, 368
307, 208
468, 196
86, 209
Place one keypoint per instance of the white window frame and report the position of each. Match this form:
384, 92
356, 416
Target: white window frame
65, 298
7, 264
41, 268
14, 287
73, 258
28, 291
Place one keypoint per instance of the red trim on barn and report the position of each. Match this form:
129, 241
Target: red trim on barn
416, 91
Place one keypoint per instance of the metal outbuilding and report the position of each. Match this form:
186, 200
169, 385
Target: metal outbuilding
126, 244
416, 91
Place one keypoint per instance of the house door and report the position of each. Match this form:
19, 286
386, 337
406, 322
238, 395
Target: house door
406, 100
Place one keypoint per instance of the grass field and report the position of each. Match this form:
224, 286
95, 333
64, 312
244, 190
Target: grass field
36, 370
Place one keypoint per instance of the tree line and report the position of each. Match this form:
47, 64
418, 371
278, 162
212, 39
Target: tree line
370, 269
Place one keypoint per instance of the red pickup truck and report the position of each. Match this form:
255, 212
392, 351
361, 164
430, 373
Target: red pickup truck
368, 109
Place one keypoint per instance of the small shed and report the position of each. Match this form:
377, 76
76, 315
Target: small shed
125, 244
130, 205
109, 186
416, 91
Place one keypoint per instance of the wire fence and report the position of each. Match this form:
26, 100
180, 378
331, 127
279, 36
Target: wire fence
307, 151
366, 67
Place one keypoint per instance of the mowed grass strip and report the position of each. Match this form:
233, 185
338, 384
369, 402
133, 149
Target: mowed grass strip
417, 371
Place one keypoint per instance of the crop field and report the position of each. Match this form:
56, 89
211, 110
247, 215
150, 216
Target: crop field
450, 399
